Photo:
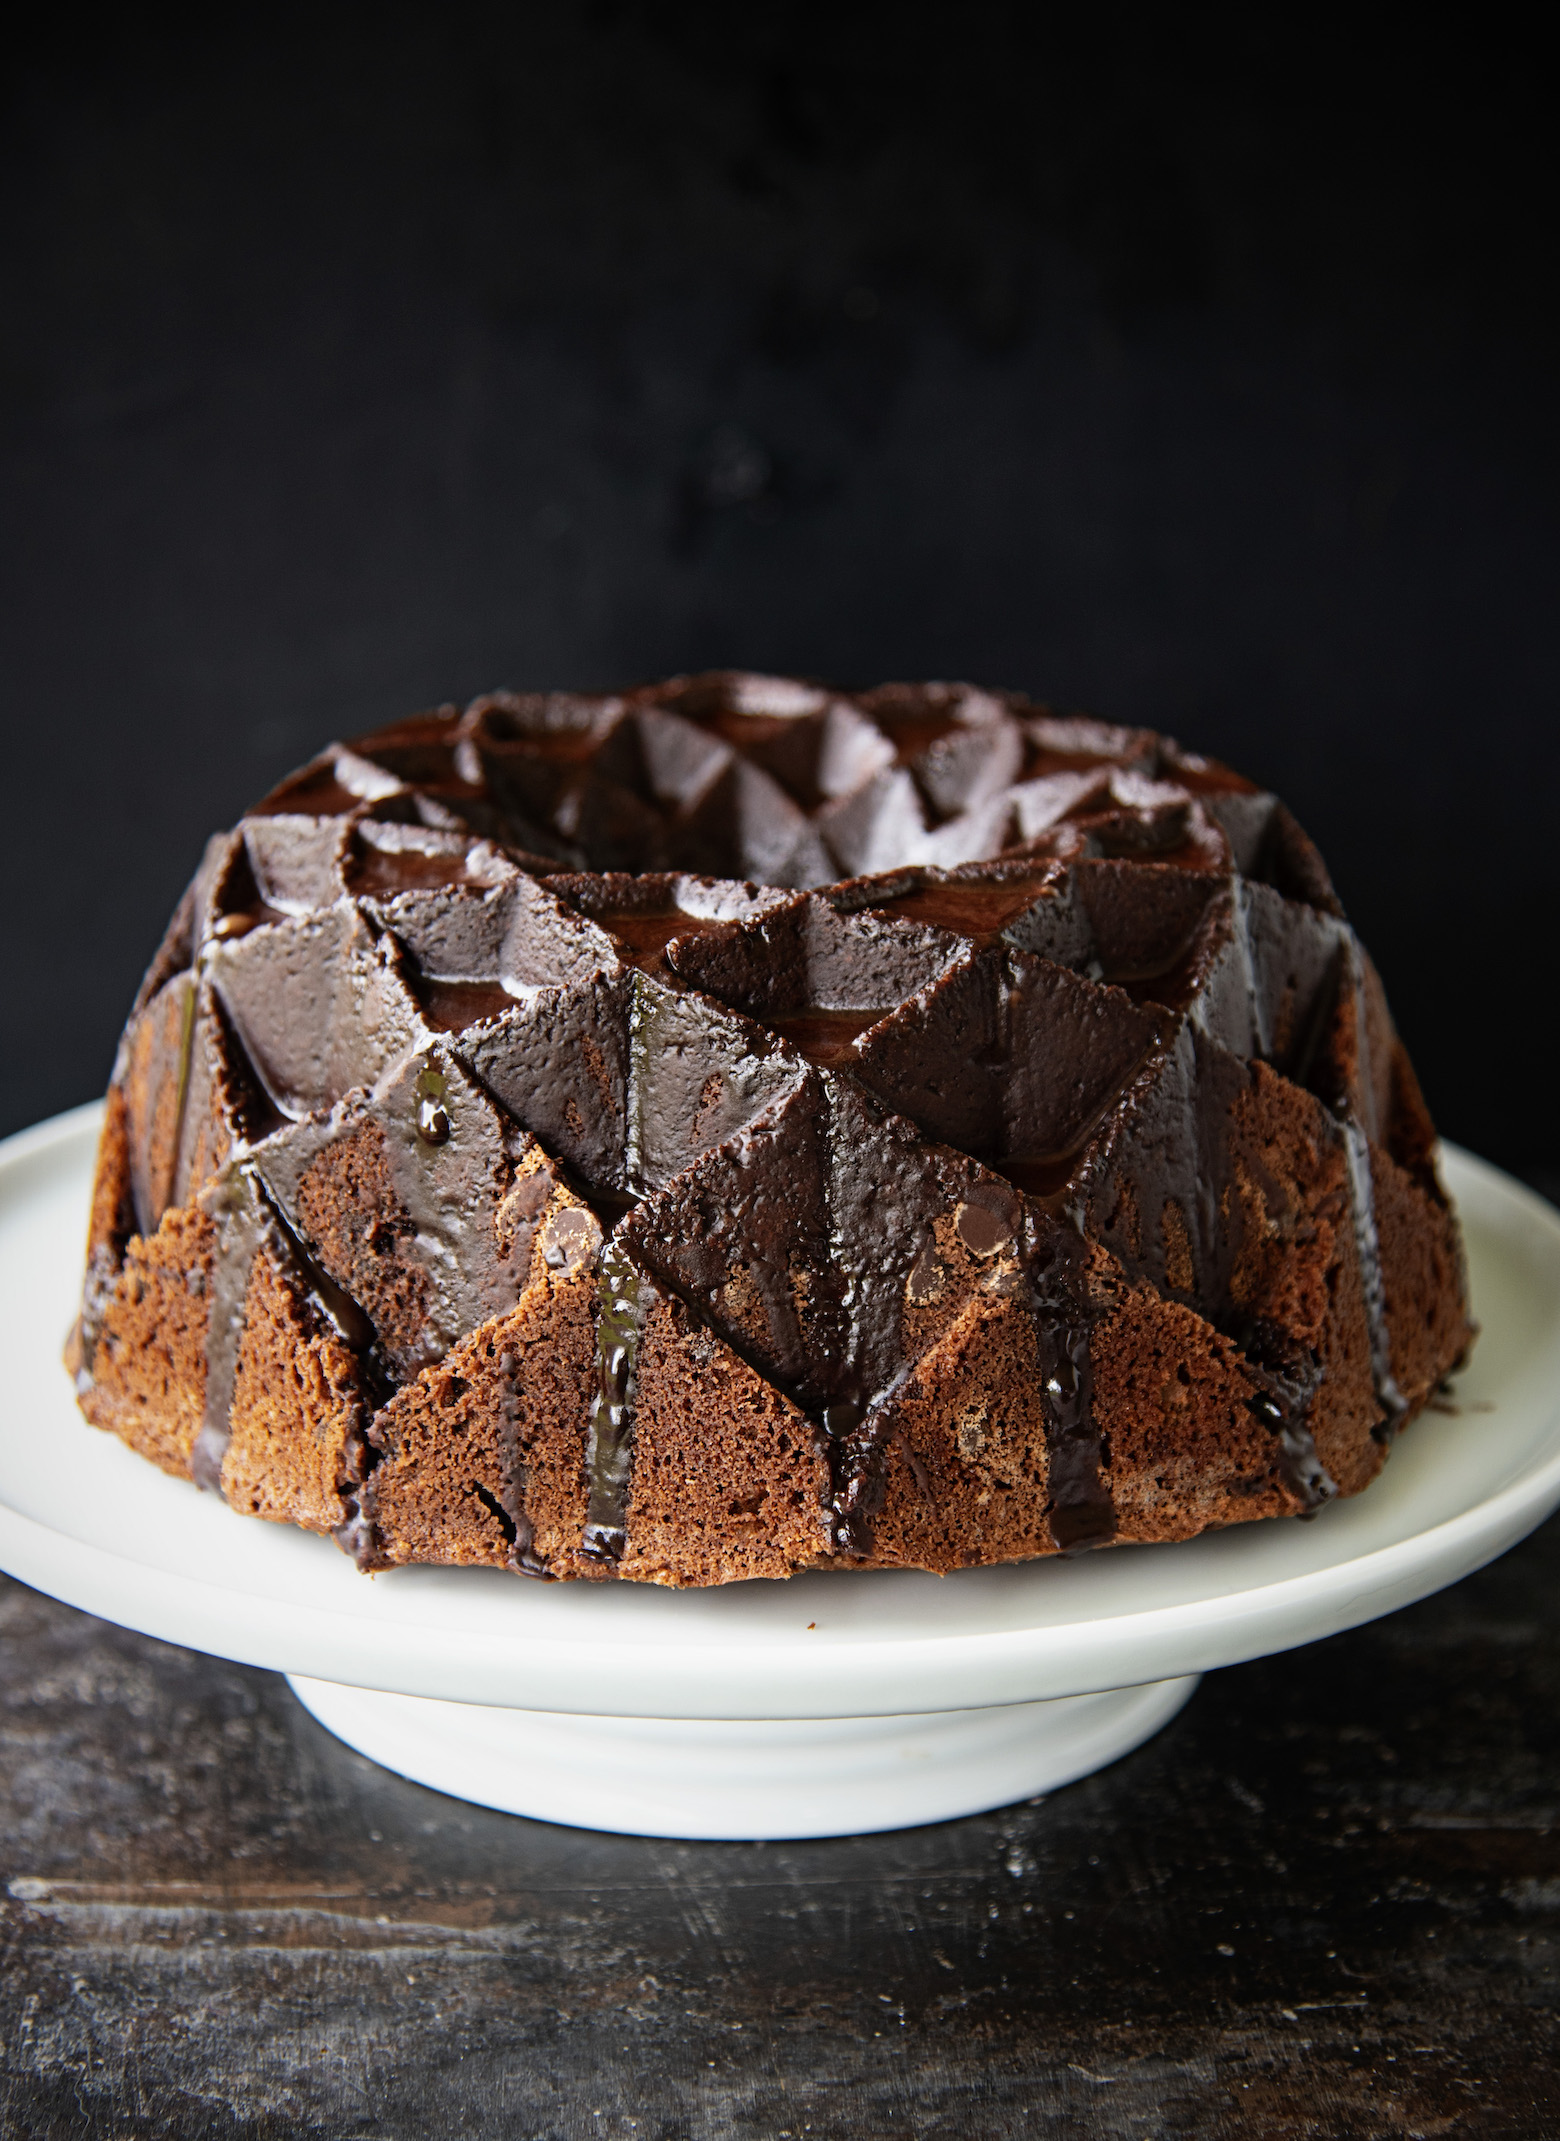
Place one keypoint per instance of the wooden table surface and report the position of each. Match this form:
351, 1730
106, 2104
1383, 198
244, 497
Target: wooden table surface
1323, 1902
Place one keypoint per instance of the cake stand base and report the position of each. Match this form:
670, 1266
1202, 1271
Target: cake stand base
688, 1777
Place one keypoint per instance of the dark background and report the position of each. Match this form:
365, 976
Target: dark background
1195, 376
1202, 377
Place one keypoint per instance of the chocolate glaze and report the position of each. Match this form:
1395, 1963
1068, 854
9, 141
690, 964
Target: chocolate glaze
625, 1300
806, 956
1054, 1271
512, 1512
825, 1037
558, 1063
800, 1240
453, 1006
1157, 1186
381, 861
289, 863
247, 1221
1362, 1186
647, 916
1046, 1264
710, 773
319, 1004
449, 1247
357, 1534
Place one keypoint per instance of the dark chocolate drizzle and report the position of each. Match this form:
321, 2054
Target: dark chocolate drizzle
186, 1058
248, 1219
1054, 1270
858, 1449
1282, 1403
433, 1115
609, 1456
1050, 1263
1367, 1242
233, 1201
104, 1264
512, 1512
357, 1534
105, 1261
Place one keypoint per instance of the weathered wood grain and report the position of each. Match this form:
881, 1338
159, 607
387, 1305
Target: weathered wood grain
1324, 1902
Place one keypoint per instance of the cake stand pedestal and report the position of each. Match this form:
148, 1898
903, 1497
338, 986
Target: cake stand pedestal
829, 1704
743, 1777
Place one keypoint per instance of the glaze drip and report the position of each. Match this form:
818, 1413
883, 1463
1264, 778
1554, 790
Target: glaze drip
523, 1557
859, 1442
1390, 1398
433, 1115
233, 1201
186, 1059
357, 1534
1081, 1512
1299, 1466
609, 1457
248, 1220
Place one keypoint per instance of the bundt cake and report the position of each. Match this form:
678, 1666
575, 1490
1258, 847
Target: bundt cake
736, 1127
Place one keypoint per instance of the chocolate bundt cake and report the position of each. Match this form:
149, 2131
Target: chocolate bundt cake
738, 1127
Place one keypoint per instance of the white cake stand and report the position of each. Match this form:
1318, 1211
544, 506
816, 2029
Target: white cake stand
827, 1705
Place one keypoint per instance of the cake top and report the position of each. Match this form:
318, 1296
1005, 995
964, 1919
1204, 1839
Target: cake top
641, 924
989, 916
787, 784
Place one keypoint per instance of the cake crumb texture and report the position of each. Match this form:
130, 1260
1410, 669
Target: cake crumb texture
298, 1409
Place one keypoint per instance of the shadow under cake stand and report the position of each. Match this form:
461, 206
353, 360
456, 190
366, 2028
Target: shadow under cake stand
830, 1704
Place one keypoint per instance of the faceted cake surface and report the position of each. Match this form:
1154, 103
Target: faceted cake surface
736, 1126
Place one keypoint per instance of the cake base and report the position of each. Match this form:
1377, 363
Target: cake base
742, 1780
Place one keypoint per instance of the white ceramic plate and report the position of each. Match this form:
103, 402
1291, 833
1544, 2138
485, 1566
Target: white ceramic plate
84, 1519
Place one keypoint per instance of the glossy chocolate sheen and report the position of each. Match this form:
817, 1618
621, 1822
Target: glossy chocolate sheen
836, 1020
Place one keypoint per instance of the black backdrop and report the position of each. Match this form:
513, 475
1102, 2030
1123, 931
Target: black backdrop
1196, 378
